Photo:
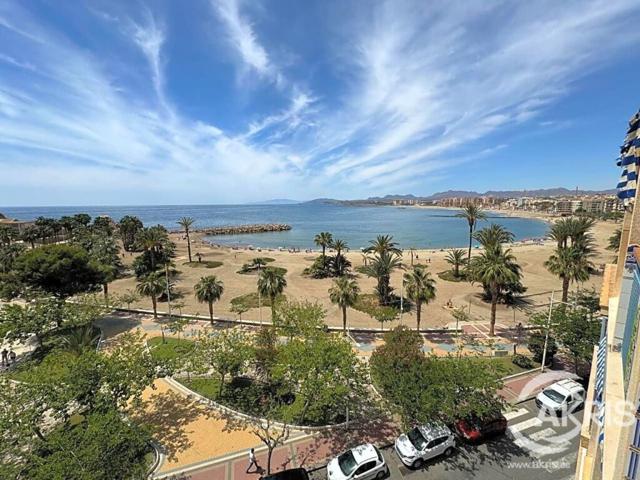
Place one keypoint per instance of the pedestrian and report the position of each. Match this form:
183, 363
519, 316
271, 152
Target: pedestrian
5, 360
252, 460
12, 357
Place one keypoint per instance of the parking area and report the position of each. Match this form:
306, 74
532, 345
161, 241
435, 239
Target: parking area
535, 447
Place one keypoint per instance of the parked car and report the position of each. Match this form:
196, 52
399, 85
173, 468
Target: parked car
423, 443
475, 429
561, 397
364, 462
291, 474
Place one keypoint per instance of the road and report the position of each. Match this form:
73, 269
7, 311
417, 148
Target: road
534, 448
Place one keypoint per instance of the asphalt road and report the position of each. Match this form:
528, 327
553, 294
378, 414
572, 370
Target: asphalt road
535, 447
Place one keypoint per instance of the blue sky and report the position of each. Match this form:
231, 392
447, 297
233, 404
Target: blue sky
228, 101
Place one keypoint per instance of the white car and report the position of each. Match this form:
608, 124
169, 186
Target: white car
561, 397
423, 443
364, 462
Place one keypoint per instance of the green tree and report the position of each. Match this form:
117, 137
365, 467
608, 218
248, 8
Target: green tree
186, 223
324, 373
209, 290
129, 227
152, 286
239, 308
496, 268
105, 255
571, 264
456, 259
614, 240
421, 289
380, 267
383, 244
8, 255
81, 339
30, 235
472, 214
7, 235
323, 240
344, 293
155, 242
298, 318
61, 270
271, 284
535, 344
227, 353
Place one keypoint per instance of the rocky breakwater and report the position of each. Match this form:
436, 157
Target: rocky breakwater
239, 229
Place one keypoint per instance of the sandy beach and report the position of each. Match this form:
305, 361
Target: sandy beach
530, 254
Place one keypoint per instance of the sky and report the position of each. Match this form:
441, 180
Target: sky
231, 101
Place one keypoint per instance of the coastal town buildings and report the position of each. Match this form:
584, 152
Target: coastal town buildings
610, 434
18, 225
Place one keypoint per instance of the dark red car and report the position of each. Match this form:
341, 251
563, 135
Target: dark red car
474, 429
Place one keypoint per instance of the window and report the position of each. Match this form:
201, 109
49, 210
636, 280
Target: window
569, 399
365, 467
634, 462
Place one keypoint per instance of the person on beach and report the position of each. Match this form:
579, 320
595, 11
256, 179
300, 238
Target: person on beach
252, 460
12, 357
5, 359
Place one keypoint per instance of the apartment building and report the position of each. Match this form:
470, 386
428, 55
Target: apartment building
610, 435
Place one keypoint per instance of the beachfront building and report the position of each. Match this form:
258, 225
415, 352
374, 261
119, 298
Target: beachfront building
610, 434
18, 225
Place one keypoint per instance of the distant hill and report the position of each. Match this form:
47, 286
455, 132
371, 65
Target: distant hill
543, 192
276, 201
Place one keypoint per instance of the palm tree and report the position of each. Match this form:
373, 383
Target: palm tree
495, 268
494, 234
380, 267
339, 263
421, 288
472, 213
153, 240
614, 240
271, 284
185, 223
344, 293
30, 235
383, 244
209, 290
323, 239
456, 259
571, 264
339, 246
81, 339
152, 286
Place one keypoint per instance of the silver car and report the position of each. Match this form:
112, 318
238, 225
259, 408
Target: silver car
423, 443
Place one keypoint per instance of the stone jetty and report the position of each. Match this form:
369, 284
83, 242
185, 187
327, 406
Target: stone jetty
238, 229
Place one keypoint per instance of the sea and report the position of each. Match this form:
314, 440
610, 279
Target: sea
410, 227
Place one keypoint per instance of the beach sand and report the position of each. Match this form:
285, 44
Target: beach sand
530, 255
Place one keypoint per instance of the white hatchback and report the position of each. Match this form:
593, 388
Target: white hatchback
364, 462
423, 443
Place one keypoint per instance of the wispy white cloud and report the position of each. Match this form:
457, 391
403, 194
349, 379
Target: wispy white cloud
422, 91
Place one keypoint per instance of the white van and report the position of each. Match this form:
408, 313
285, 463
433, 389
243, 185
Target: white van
561, 397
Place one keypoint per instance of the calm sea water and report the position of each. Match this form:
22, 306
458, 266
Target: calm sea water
410, 227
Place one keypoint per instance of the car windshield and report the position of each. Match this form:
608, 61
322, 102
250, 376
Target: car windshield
416, 438
553, 395
347, 463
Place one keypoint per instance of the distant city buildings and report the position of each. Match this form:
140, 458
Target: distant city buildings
552, 205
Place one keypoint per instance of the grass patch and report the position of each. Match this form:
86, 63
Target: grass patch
368, 303
172, 349
53, 364
251, 300
244, 394
204, 264
254, 271
450, 277
505, 364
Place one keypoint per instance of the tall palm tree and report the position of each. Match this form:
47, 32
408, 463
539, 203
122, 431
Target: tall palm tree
271, 284
344, 293
339, 246
339, 262
571, 264
383, 244
495, 268
472, 214
185, 223
614, 240
152, 286
420, 288
209, 290
323, 239
456, 259
153, 240
380, 267
494, 234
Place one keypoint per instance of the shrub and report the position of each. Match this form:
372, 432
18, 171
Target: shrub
522, 361
535, 345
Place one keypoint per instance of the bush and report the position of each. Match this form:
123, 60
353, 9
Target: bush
535, 345
523, 361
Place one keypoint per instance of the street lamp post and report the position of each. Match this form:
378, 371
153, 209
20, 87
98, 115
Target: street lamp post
546, 336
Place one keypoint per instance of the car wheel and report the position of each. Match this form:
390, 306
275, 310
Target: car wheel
448, 452
417, 464
381, 475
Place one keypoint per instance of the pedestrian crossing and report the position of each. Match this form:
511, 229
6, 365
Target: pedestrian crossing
541, 436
